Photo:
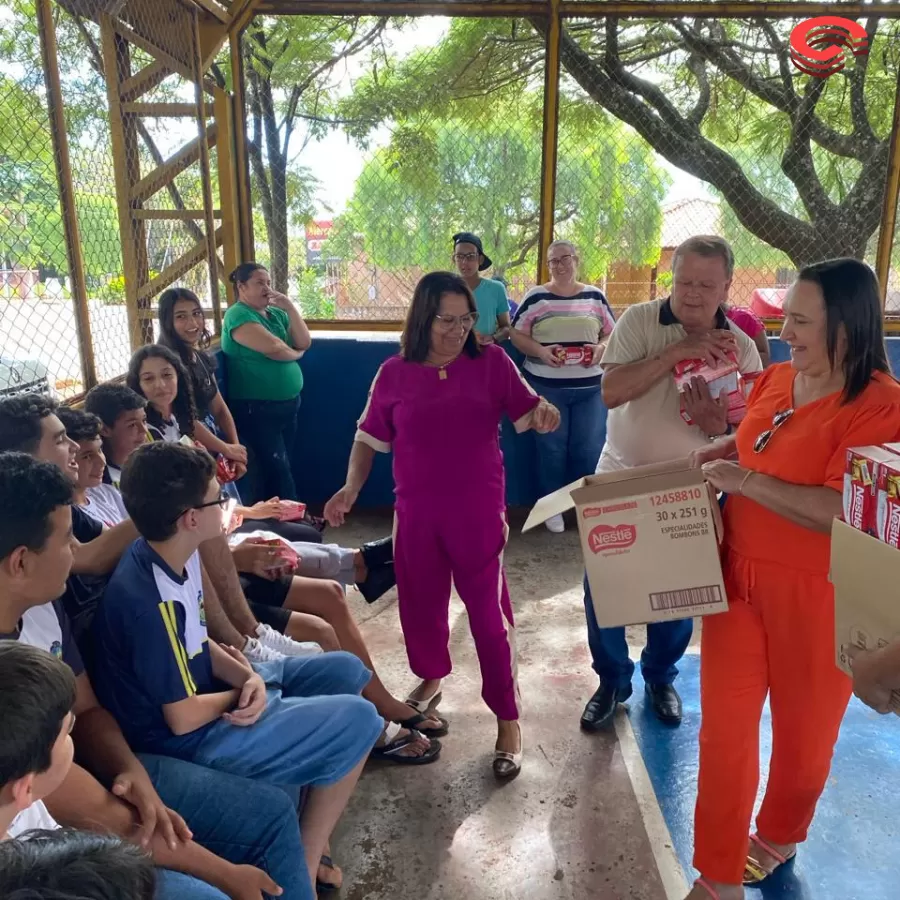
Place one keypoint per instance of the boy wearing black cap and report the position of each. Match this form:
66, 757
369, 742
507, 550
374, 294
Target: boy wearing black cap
490, 295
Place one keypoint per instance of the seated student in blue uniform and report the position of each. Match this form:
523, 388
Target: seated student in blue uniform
297, 721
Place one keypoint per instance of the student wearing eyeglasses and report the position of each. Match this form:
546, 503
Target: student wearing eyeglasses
491, 301
438, 406
783, 471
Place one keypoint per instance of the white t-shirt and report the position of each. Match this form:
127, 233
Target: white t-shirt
105, 505
650, 429
35, 817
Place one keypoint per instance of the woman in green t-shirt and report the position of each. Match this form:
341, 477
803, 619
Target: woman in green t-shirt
263, 337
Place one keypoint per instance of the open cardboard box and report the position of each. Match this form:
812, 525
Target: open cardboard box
865, 573
650, 542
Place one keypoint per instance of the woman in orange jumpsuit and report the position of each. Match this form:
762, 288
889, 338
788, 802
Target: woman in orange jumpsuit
783, 473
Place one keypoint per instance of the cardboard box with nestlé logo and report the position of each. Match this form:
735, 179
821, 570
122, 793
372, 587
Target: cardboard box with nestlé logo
650, 542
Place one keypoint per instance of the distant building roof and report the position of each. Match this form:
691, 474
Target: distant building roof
688, 217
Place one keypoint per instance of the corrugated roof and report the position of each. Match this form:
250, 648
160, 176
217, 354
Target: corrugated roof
686, 218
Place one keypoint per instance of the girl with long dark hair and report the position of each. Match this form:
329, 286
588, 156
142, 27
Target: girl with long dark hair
183, 329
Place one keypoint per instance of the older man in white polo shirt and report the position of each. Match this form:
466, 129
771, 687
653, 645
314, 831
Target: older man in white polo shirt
646, 426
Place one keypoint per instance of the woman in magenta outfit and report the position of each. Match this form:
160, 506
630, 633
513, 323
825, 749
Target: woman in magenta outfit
438, 406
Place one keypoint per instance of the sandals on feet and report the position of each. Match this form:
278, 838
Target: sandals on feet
392, 749
414, 722
429, 703
507, 765
326, 887
754, 871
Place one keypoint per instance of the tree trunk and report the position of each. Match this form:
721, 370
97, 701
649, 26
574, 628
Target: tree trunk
834, 229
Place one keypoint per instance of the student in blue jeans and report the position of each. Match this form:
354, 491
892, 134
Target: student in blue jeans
237, 827
298, 722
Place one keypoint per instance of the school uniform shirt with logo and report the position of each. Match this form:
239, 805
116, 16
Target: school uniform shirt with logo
46, 627
83, 592
650, 428
152, 628
105, 505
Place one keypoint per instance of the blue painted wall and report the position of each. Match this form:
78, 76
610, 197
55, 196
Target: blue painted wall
338, 370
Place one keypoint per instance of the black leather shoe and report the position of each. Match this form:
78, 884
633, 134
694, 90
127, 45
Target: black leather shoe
665, 702
602, 706
378, 553
378, 583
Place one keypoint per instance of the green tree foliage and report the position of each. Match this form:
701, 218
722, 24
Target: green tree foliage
290, 64
483, 175
800, 162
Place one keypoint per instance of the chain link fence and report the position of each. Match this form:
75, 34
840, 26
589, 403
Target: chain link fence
667, 128
372, 140
48, 331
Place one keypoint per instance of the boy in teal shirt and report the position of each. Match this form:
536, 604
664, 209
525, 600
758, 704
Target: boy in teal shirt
490, 295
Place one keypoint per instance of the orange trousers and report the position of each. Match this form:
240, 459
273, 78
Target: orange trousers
777, 639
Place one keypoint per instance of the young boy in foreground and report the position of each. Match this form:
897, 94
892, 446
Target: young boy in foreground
297, 721
36, 705
35, 560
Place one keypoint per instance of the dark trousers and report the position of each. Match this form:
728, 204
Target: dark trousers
269, 429
666, 643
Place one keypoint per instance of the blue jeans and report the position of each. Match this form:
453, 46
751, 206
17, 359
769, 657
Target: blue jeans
269, 429
242, 821
666, 643
572, 451
314, 731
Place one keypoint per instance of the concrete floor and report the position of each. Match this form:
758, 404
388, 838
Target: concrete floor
580, 821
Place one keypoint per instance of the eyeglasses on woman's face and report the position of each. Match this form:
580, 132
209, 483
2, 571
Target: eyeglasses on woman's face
558, 261
451, 323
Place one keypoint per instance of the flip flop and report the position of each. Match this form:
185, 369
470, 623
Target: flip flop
326, 887
754, 871
414, 723
391, 750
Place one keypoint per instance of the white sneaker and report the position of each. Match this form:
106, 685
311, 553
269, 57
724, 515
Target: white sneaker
282, 644
256, 652
556, 524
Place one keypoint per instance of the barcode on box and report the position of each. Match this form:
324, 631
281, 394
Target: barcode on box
689, 597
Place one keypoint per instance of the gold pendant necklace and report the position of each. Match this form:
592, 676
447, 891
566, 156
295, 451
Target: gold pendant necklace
442, 373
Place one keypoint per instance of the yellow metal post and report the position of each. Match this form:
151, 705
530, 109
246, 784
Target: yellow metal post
241, 160
889, 207
126, 165
205, 172
228, 179
550, 139
47, 32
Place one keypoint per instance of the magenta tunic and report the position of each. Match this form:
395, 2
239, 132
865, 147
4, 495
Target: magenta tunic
444, 430
450, 522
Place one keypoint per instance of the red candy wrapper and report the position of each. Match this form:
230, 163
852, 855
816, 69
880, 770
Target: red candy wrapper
287, 556
864, 478
226, 470
291, 510
575, 356
724, 377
